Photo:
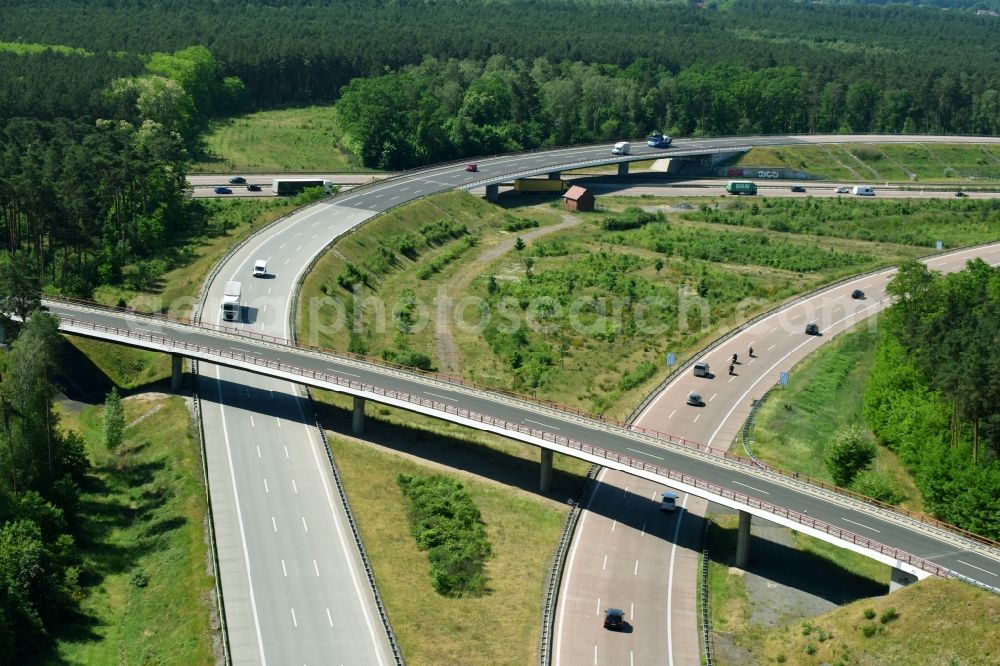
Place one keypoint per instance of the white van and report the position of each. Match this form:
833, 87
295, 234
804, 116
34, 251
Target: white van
864, 191
260, 268
622, 148
701, 369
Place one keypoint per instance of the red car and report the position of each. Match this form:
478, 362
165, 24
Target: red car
471, 167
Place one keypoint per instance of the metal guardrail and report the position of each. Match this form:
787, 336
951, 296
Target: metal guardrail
369, 574
554, 579
705, 616
227, 657
745, 437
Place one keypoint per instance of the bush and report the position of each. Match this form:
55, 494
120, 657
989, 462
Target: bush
869, 613
878, 486
140, 578
351, 276
644, 371
868, 630
631, 218
848, 452
810, 648
889, 615
519, 224
446, 523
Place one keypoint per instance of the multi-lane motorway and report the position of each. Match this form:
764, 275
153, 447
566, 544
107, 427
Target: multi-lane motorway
290, 573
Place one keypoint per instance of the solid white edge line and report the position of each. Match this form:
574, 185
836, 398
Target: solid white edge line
239, 517
670, 584
569, 569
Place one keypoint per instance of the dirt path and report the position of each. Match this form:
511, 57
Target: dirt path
447, 352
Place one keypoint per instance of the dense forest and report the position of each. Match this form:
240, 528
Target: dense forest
40, 519
935, 388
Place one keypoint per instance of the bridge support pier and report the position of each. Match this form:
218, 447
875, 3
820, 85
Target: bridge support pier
623, 168
545, 477
493, 193
555, 175
358, 420
898, 579
176, 372
743, 541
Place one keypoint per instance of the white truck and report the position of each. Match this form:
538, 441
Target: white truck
622, 148
231, 306
863, 191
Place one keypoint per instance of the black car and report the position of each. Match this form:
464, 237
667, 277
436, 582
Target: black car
857, 294
222, 190
812, 328
614, 618
237, 180
961, 194
253, 187
798, 188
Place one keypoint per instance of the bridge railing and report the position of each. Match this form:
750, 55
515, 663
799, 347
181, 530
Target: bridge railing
252, 359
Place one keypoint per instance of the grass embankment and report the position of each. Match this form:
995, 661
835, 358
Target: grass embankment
824, 394
895, 163
148, 591
931, 622
298, 139
500, 627
571, 294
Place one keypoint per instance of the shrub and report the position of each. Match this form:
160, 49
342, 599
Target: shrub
445, 522
806, 628
868, 630
848, 452
878, 486
351, 276
140, 578
888, 615
631, 218
644, 371
518, 224
869, 613
810, 648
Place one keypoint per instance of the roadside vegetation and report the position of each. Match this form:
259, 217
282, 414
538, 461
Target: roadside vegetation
597, 305
913, 164
498, 627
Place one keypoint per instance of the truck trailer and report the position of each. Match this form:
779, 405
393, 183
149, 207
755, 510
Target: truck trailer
231, 306
540, 185
286, 186
741, 187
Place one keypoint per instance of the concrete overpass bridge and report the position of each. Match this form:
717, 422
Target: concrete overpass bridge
914, 545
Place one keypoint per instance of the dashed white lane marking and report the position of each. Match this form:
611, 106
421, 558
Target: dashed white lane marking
251, 421
268, 291
298, 249
731, 379
329, 618
595, 654
283, 246
635, 570
598, 611
975, 567
263, 310
258, 450
266, 489
341, 372
547, 425
287, 260
605, 565
773, 329
278, 421
771, 347
696, 418
751, 487
316, 568
287, 457
861, 525
443, 397
613, 523
631, 611
313, 236
274, 524
294, 621
284, 569
713, 397
643, 453
798, 316
304, 526
295, 487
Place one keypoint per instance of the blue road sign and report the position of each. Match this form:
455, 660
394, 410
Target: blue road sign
671, 359
784, 379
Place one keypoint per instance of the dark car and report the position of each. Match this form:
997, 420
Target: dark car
253, 187
694, 398
237, 180
857, 294
798, 188
812, 328
961, 194
471, 167
222, 190
614, 618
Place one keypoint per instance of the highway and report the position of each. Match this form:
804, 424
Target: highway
269, 538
